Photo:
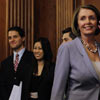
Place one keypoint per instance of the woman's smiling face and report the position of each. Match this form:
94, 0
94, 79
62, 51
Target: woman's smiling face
38, 51
87, 22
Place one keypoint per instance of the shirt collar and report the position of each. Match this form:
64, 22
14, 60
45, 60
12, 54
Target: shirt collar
20, 53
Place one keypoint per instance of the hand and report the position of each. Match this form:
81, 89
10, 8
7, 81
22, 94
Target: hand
34, 95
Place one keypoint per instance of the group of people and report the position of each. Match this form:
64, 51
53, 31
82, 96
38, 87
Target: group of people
34, 69
76, 75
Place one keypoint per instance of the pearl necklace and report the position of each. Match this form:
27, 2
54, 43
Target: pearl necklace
87, 46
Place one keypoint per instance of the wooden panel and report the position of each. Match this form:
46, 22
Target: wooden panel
64, 13
94, 2
82, 2
2, 29
16, 13
51, 17
45, 21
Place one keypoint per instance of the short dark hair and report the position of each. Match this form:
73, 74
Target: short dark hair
75, 18
48, 55
17, 29
66, 30
69, 30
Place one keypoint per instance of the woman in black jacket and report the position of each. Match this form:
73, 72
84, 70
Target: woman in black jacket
43, 71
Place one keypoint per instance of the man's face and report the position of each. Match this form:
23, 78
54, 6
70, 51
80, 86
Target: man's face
66, 37
15, 40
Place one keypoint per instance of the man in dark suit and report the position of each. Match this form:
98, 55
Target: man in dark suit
15, 70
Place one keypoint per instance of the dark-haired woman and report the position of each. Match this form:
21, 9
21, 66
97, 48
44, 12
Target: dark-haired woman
43, 71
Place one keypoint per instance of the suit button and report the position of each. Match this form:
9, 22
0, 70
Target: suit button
15, 78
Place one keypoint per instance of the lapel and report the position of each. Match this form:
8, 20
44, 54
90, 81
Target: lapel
44, 73
11, 64
22, 63
86, 59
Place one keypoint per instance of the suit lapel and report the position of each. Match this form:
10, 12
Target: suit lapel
11, 64
86, 59
44, 73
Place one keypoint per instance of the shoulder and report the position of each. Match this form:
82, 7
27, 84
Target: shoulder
50, 66
6, 62
67, 49
28, 54
9, 58
68, 46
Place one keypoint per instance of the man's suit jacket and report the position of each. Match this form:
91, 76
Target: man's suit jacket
8, 77
75, 73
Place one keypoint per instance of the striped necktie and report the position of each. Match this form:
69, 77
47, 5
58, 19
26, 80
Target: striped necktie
16, 62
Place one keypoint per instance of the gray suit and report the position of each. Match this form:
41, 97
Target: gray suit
75, 72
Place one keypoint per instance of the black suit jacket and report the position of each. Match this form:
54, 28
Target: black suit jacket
45, 87
8, 77
46, 82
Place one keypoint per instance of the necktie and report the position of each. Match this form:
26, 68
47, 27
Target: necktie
16, 62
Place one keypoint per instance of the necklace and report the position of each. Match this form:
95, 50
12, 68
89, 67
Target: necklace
90, 49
